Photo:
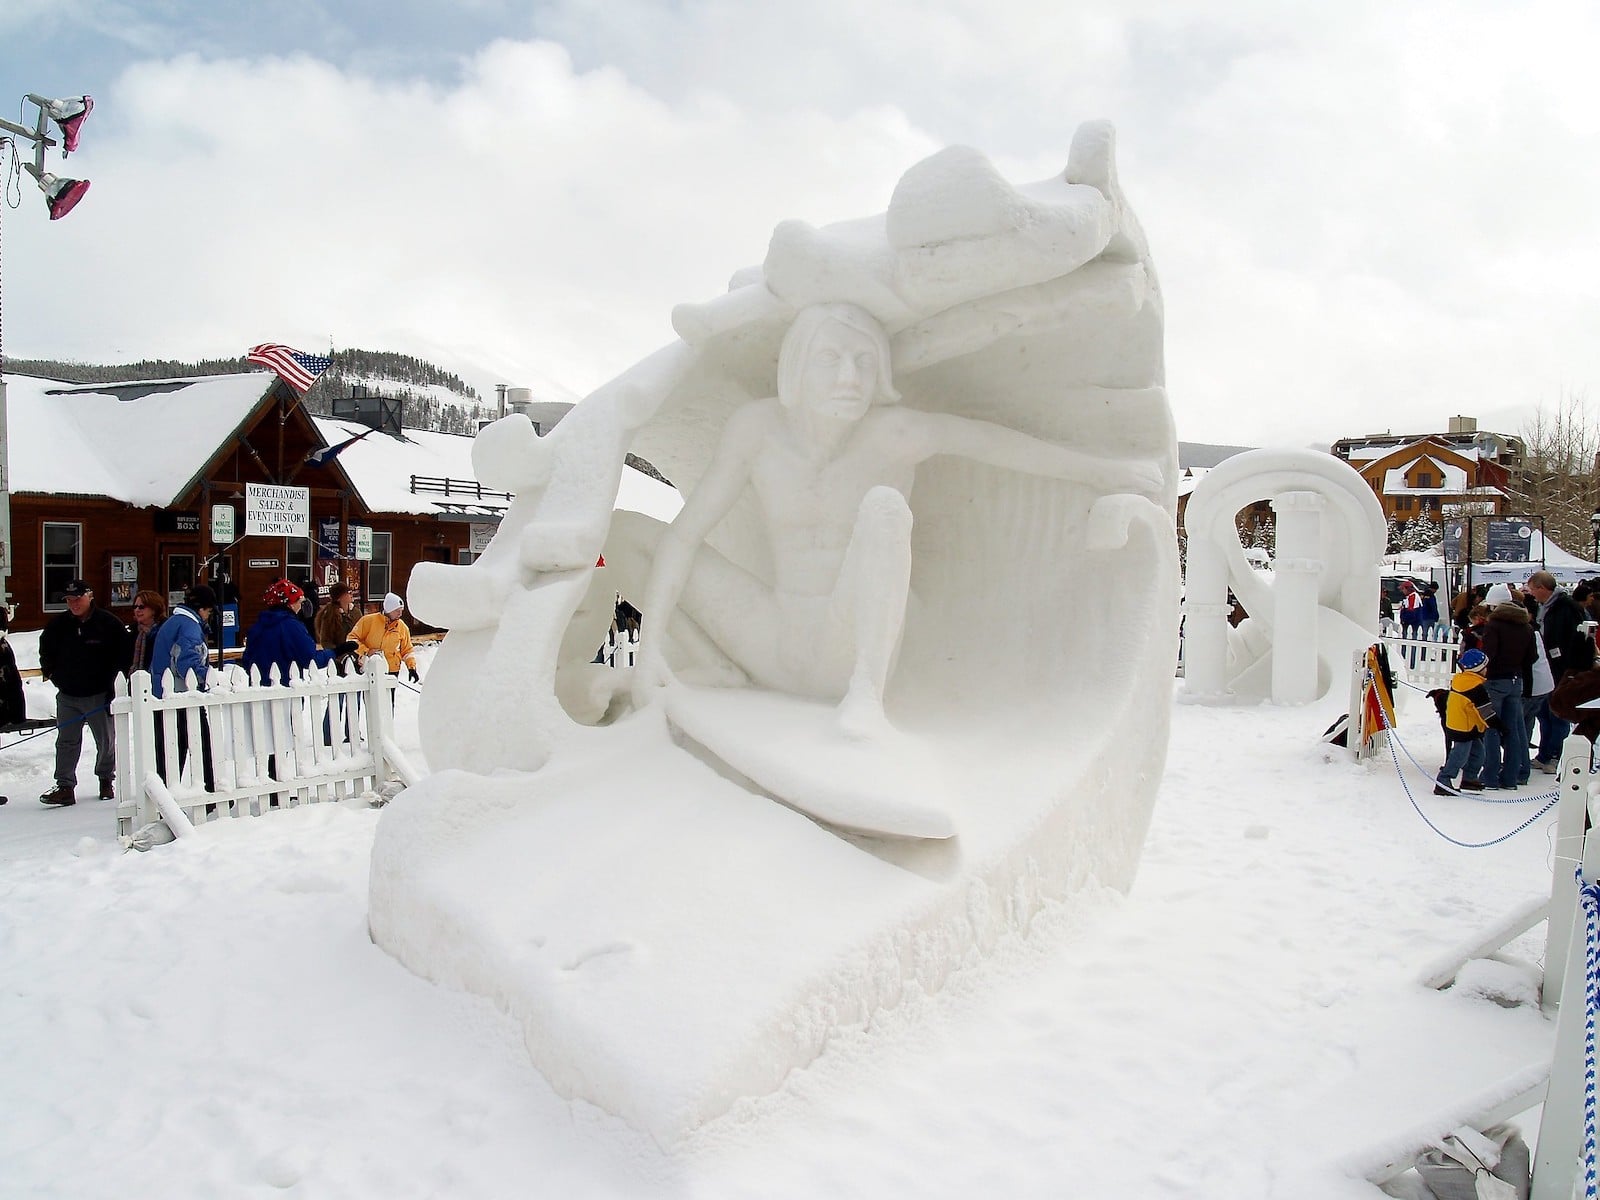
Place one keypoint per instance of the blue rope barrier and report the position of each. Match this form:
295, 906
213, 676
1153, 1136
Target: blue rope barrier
57, 727
1394, 740
1590, 895
1551, 798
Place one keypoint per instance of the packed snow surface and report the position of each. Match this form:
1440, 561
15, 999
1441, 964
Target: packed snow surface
210, 1019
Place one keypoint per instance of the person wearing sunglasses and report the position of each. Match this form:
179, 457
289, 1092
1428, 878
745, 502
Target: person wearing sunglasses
149, 610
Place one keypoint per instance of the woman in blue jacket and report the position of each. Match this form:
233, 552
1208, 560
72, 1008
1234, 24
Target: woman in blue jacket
181, 648
278, 639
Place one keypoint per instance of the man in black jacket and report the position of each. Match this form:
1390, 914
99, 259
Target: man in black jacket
1568, 648
81, 651
1508, 641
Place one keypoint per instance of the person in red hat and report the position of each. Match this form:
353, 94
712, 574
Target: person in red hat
278, 640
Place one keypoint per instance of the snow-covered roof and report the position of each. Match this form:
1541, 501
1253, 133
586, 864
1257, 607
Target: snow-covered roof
1464, 444
1190, 477
141, 442
381, 466
1453, 480
1423, 445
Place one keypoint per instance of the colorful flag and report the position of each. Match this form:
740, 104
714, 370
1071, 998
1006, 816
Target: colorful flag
297, 369
326, 454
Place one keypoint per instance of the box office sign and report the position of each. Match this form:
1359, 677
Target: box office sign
277, 510
171, 521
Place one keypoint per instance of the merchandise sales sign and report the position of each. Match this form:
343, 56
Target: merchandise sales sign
276, 510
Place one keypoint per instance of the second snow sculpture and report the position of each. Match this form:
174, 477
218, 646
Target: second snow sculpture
1320, 603
908, 657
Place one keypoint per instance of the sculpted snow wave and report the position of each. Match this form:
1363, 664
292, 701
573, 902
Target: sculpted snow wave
920, 602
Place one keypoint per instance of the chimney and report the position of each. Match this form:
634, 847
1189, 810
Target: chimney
1463, 424
500, 399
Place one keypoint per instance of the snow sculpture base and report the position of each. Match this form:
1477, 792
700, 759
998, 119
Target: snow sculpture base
673, 946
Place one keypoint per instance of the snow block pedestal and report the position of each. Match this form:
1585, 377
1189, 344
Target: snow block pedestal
671, 941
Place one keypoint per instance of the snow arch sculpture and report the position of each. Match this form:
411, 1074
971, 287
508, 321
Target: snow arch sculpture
936, 440
1321, 601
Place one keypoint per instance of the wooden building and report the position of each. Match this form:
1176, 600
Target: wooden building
116, 483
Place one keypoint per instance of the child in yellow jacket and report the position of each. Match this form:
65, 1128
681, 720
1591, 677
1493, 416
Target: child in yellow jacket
1467, 712
386, 634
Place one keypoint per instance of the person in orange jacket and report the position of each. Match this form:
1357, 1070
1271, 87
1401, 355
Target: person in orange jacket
385, 633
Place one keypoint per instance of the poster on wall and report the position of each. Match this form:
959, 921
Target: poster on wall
124, 578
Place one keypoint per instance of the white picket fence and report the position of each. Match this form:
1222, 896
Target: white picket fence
1428, 656
317, 737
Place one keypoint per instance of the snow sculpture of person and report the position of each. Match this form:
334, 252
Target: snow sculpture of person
831, 461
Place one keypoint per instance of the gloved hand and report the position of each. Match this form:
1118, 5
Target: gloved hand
1496, 724
411, 673
346, 648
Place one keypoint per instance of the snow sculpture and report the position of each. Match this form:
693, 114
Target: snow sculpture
908, 658
1317, 606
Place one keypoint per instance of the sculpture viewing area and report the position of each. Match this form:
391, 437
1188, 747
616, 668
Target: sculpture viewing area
923, 586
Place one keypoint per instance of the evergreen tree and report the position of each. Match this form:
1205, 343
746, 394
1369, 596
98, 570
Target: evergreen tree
1392, 535
1423, 534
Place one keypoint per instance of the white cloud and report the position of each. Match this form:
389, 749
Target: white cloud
1364, 215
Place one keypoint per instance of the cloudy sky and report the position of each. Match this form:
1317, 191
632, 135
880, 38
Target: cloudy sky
1365, 215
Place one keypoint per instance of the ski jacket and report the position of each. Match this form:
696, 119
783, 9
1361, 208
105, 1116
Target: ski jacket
1468, 709
377, 634
1508, 641
277, 641
1565, 644
83, 658
1411, 610
180, 648
334, 625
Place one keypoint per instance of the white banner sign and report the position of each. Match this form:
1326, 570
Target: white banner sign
276, 510
478, 535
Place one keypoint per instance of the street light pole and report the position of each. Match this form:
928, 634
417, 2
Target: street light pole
60, 196
1594, 528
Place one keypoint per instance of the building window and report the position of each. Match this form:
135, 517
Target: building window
1404, 503
63, 561
380, 569
297, 559
1424, 479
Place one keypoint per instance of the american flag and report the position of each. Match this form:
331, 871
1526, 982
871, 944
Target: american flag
296, 368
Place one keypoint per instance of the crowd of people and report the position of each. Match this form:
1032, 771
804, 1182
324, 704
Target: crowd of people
85, 648
1517, 644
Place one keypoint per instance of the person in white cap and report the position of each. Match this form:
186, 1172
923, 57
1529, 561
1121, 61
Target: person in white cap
386, 634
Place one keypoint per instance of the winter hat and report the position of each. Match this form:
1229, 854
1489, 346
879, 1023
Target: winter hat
200, 596
1474, 660
392, 603
285, 593
1407, 586
1498, 594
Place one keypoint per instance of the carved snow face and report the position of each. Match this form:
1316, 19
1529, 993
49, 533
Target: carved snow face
840, 375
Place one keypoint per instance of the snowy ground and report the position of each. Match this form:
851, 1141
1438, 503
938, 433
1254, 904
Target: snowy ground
210, 1019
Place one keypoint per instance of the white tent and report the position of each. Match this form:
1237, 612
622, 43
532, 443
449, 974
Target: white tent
1568, 568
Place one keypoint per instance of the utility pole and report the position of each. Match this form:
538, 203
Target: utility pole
60, 196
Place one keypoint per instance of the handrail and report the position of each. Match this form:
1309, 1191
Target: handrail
444, 485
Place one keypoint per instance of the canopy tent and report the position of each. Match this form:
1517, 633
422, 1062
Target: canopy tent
1568, 568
